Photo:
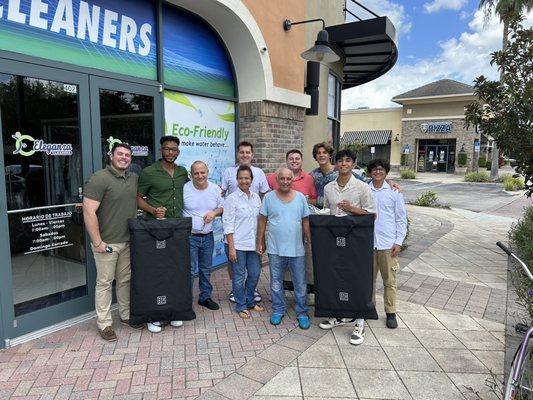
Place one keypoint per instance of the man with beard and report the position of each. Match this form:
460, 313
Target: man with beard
160, 192
108, 203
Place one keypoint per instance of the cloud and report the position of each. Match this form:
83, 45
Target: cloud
394, 11
437, 5
462, 58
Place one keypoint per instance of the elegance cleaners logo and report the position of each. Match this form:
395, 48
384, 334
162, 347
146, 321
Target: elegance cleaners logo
26, 146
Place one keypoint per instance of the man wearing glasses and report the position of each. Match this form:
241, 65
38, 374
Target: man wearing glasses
160, 192
390, 229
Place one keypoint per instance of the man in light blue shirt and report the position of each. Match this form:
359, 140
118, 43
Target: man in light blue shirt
284, 215
390, 229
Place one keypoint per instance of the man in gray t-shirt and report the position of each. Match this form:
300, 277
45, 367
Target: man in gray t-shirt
109, 200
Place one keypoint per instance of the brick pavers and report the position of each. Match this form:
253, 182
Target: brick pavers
451, 265
177, 363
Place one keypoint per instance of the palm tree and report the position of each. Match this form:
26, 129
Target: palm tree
507, 10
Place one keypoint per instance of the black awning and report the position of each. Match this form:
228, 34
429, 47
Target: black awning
366, 137
369, 48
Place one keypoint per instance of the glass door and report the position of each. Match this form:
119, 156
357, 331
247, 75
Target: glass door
125, 112
442, 158
46, 151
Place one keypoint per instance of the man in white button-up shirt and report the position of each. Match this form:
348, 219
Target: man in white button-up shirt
390, 229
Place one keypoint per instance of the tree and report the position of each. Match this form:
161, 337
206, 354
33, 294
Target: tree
505, 107
507, 10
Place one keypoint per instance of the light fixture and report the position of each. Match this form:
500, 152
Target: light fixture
396, 138
321, 51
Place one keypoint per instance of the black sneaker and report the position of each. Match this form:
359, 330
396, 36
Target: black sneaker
209, 303
391, 321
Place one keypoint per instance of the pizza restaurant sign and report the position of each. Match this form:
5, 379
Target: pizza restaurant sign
436, 127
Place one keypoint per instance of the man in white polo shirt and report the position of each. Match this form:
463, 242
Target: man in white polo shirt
202, 201
390, 229
245, 155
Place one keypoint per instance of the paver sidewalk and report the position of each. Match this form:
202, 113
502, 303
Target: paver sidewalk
220, 356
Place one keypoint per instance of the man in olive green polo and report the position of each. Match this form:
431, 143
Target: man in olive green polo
109, 200
160, 192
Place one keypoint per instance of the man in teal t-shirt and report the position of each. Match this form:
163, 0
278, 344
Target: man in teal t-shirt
284, 215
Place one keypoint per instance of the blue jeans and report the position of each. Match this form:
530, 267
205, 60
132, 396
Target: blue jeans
201, 249
296, 266
243, 286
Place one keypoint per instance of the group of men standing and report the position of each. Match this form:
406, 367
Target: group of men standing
163, 190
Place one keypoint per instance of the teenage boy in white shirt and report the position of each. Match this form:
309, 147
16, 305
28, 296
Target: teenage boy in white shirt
347, 195
390, 229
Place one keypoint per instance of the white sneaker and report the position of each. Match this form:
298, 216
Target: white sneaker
358, 335
154, 327
333, 322
176, 324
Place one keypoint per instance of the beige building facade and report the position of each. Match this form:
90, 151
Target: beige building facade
429, 125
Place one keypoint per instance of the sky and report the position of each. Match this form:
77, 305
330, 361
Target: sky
437, 39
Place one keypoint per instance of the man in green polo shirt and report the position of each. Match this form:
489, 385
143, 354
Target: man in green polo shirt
109, 200
160, 192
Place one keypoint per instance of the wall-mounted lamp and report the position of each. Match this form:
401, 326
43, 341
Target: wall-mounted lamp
396, 138
321, 51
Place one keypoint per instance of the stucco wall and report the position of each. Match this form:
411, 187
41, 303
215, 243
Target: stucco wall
376, 119
451, 109
283, 47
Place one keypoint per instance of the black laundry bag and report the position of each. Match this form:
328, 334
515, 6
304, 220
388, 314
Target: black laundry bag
343, 261
160, 270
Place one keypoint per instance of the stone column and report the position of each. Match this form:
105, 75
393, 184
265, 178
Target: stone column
273, 129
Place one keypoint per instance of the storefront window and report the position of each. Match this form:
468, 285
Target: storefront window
334, 109
128, 117
43, 175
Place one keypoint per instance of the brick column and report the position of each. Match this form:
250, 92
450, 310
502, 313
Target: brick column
273, 129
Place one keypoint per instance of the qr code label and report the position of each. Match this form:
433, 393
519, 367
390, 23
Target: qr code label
160, 244
343, 296
161, 300
341, 242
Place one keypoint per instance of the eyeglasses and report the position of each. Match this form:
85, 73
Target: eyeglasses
378, 169
170, 149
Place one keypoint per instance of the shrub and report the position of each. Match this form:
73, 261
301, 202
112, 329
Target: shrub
404, 160
520, 236
482, 162
427, 199
405, 245
488, 165
461, 159
408, 174
503, 177
477, 177
511, 183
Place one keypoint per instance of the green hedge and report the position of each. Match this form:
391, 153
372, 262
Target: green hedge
408, 174
520, 236
482, 162
477, 177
